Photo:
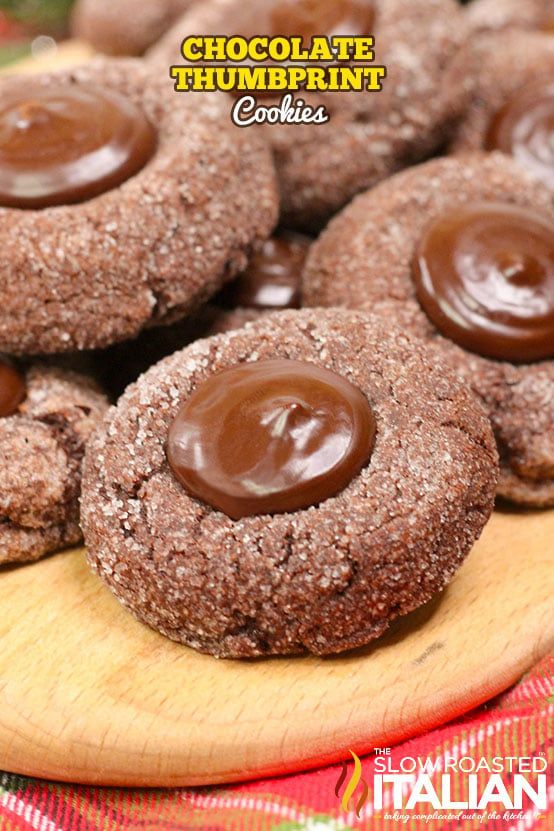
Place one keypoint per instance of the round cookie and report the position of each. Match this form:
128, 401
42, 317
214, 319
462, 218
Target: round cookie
495, 15
124, 27
320, 579
42, 440
364, 261
507, 70
85, 275
370, 135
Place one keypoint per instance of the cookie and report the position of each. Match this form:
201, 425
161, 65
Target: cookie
511, 103
46, 416
355, 552
164, 203
496, 15
271, 281
371, 254
370, 135
124, 27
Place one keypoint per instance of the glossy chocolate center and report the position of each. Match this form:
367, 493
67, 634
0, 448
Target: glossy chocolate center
322, 17
484, 274
271, 437
273, 277
12, 388
524, 128
62, 145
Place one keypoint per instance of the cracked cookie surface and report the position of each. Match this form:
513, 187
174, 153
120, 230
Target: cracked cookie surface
88, 275
323, 579
41, 451
122, 364
363, 261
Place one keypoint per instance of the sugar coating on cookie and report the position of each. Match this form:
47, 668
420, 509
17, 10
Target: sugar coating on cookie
86, 275
364, 261
124, 27
41, 450
370, 135
322, 579
496, 15
272, 281
496, 68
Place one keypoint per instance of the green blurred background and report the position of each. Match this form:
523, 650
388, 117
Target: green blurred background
21, 21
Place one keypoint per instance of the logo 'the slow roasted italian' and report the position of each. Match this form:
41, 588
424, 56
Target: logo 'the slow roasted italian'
356, 790
468, 787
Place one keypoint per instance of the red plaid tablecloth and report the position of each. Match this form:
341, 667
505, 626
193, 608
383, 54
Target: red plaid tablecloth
518, 723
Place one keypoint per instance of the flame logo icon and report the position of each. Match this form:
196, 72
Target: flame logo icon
352, 784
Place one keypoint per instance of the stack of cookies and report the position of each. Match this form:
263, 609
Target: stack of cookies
119, 211
329, 348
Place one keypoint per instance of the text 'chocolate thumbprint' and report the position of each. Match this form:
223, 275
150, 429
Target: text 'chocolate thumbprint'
524, 129
12, 388
271, 437
308, 18
60, 145
484, 275
273, 277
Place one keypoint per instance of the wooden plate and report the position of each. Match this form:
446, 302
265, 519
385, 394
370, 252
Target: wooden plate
88, 694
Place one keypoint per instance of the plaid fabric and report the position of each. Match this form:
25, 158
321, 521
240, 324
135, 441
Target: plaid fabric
518, 723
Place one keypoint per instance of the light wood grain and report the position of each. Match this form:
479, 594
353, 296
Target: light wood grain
88, 694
